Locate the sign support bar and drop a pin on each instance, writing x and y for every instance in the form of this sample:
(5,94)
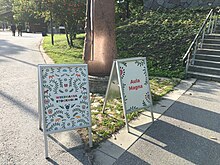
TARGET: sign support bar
(63,99)
(133,80)
(46,146)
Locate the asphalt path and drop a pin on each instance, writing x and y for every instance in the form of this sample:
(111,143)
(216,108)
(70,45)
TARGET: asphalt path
(21,142)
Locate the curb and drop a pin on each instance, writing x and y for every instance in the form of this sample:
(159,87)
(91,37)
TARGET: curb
(46,58)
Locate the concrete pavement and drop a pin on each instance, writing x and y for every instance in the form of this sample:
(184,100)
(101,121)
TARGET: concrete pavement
(187,133)
(21,142)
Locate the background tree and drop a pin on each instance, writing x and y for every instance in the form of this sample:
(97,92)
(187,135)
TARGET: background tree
(128,8)
(6,14)
(69,13)
(24,10)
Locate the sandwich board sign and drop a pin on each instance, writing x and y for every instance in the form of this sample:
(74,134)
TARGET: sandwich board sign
(64,100)
(132,77)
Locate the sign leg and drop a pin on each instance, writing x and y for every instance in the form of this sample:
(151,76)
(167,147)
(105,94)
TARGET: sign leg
(46,146)
(90,136)
(40,123)
(152,113)
(40,119)
(108,87)
(126,122)
(39,106)
(103,109)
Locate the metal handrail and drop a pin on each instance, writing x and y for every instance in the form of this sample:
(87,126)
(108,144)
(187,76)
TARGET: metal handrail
(209,24)
(186,56)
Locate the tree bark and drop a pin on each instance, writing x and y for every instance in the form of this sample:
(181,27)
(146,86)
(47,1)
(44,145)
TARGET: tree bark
(51,25)
(87,41)
(104,39)
(67,35)
(127,9)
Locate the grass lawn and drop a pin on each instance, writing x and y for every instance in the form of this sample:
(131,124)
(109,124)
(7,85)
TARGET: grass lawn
(161,37)
(61,53)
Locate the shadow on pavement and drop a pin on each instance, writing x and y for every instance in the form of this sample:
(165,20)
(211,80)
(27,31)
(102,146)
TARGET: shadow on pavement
(9,48)
(212,87)
(185,134)
(11,58)
(197,116)
(132,160)
(19,104)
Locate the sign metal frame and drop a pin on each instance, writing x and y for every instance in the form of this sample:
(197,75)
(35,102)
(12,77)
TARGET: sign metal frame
(116,68)
(41,104)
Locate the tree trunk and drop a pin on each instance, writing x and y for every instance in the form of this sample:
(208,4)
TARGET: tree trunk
(104,39)
(127,9)
(67,36)
(51,25)
(71,40)
(87,41)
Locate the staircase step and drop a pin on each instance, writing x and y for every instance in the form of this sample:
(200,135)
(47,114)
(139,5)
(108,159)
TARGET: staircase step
(207,57)
(217,31)
(204,69)
(203,76)
(208,51)
(211,46)
(206,63)
(211,41)
(212,36)
(217,27)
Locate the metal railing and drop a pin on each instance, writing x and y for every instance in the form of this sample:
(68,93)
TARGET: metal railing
(207,27)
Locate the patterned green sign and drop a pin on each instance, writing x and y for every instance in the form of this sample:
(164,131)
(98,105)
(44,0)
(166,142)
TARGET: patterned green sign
(65,98)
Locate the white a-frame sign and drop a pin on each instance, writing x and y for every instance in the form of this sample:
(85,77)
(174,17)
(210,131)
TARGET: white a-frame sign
(131,75)
(64,101)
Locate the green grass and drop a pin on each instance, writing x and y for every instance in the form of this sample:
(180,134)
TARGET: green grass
(60,52)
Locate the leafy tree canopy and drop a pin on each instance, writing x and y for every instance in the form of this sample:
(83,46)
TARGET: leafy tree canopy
(69,13)
(24,10)
(6,10)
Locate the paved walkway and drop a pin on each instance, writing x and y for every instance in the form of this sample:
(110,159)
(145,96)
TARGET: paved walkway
(188,132)
(21,142)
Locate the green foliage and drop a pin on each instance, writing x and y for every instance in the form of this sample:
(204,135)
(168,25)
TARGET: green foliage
(6,7)
(24,10)
(69,13)
(127,9)
(161,36)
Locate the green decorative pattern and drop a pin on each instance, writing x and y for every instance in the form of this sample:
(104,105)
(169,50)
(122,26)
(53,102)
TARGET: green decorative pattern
(134,84)
(66,102)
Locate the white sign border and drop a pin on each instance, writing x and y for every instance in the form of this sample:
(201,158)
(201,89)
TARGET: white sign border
(41,104)
(115,65)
